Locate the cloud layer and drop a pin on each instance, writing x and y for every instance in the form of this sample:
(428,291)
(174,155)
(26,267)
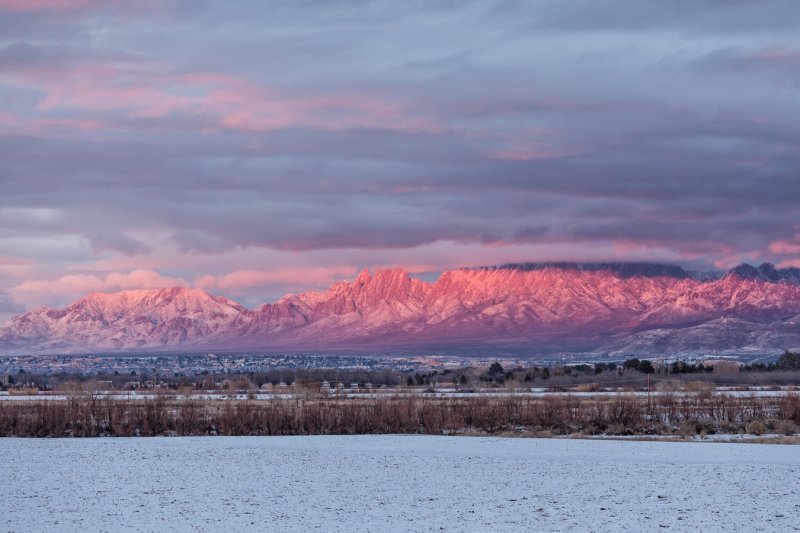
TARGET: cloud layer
(250,147)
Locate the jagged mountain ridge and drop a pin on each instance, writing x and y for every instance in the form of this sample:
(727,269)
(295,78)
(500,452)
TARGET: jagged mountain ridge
(636,307)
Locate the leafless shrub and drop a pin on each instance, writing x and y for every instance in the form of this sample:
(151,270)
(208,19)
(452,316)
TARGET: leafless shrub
(625,411)
(755,427)
(690,427)
(85,415)
(790,408)
(785,427)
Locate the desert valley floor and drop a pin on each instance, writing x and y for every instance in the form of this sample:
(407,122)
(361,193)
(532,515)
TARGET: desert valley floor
(396,483)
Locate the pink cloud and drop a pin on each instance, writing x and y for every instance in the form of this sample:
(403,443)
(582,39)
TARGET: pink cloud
(149,90)
(736,258)
(40,126)
(239,281)
(777,55)
(15,267)
(411,268)
(529,151)
(13,260)
(246,106)
(73,286)
(786,247)
(45,5)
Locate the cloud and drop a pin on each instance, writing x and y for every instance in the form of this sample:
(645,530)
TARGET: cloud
(8,305)
(73,286)
(691,17)
(771,62)
(6,260)
(244,145)
(101,241)
(241,281)
(45,5)
(786,246)
(135,90)
(14,268)
(529,152)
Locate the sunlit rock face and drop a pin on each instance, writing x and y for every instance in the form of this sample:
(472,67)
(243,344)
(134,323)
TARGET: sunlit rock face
(618,308)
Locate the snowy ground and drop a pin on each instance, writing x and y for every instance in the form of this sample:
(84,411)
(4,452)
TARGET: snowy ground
(396,483)
(439,393)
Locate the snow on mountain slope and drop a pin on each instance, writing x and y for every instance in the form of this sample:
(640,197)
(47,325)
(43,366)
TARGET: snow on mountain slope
(642,308)
(720,336)
(127,320)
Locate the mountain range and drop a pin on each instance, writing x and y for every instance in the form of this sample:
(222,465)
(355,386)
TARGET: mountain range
(604,308)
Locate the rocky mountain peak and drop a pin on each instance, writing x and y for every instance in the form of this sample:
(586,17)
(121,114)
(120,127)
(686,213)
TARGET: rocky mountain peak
(363,278)
(541,306)
(764,272)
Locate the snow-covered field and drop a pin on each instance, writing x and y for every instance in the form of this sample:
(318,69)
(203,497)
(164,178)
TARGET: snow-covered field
(439,393)
(396,483)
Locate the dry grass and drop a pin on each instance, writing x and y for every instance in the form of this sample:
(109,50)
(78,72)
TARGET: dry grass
(699,414)
(27,391)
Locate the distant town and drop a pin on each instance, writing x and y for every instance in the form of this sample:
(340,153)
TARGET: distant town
(193,364)
(220,363)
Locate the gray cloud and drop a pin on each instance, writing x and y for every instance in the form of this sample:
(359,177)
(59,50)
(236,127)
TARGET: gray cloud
(704,17)
(401,124)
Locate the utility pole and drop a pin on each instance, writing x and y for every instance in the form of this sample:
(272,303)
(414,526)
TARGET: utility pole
(648,392)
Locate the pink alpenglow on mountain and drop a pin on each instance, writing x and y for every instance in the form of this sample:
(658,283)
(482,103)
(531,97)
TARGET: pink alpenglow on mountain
(614,308)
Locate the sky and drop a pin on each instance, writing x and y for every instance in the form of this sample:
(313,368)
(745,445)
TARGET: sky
(255,148)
